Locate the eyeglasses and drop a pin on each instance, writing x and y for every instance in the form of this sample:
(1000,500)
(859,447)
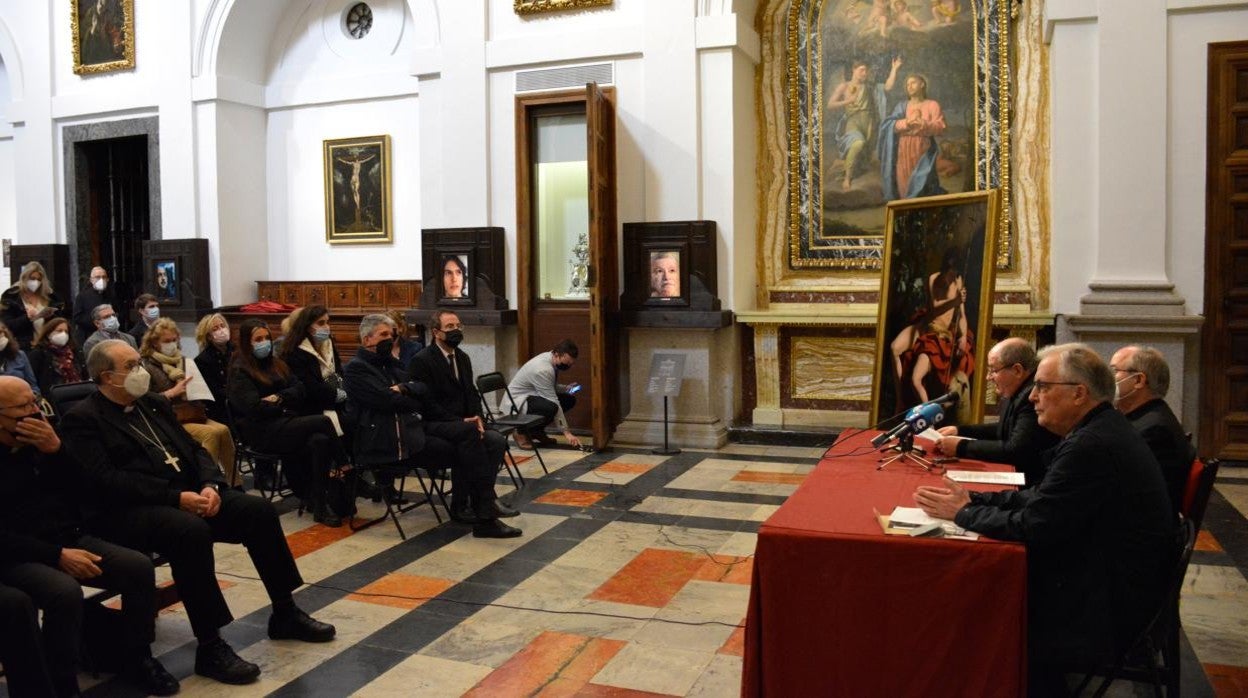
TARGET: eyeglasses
(1045,386)
(1124,370)
(25,406)
(994,371)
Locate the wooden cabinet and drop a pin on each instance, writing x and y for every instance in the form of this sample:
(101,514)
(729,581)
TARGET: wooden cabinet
(342,295)
(268,291)
(372,295)
(292,294)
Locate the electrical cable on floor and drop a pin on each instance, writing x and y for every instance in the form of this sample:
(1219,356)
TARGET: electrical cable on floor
(488,604)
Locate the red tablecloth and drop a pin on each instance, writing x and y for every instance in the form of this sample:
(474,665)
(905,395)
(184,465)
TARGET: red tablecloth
(837,608)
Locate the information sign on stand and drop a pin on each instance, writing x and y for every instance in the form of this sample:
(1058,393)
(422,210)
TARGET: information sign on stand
(667,371)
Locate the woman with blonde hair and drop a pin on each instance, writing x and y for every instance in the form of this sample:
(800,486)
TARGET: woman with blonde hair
(215,348)
(29,303)
(173,376)
(55,358)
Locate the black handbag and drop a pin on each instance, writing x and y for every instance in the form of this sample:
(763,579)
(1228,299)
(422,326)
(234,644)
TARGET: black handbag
(411,432)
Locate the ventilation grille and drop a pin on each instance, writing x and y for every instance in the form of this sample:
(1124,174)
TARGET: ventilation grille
(562,78)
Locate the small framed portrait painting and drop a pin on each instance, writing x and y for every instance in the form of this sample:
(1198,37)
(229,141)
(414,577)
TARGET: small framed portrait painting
(666,277)
(103,35)
(455,279)
(165,281)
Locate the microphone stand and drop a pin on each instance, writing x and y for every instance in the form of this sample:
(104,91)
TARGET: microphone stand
(906,453)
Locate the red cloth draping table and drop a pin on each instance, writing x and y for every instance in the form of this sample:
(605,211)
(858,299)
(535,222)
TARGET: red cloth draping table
(837,608)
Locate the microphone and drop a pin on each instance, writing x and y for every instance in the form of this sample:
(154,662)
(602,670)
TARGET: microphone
(919,419)
(948,400)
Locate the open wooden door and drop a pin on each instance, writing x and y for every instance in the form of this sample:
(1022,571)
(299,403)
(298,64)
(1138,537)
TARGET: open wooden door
(1224,345)
(604,276)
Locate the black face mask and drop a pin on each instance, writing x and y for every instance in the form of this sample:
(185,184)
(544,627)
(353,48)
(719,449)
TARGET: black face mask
(454,337)
(384,347)
(562,367)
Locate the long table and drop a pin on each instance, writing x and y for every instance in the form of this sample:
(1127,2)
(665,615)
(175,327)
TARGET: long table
(838,608)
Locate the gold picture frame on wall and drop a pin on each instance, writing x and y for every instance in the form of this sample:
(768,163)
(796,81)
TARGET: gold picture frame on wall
(532,7)
(935,310)
(357,190)
(890,101)
(103,35)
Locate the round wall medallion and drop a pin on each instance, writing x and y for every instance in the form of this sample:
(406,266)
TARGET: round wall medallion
(359,20)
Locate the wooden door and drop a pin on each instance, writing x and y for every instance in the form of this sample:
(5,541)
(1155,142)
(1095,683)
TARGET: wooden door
(1224,345)
(604,281)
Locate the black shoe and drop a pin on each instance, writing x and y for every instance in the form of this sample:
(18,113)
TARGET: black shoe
(216,660)
(297,625)
(325,516)
(395,498)
(494,528)
(502,511)
(150,676)
(463,514)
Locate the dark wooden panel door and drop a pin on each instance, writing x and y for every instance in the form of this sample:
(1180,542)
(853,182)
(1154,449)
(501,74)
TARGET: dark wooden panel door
(1224,365)
(118,217)
(604,281)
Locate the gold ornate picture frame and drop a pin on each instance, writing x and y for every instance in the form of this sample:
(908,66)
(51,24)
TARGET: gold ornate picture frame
(935,310)
(889,101)
(357,190)
(103,35)
(532,7)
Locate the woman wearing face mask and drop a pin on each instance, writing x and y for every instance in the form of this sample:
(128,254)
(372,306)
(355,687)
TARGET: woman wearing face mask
(271,409)
(173,376)
(27,305)
(55,359)
(13,361)
(310,353)
(215,348)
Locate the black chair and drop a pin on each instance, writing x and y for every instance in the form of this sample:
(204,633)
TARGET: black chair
(507,423)
(1159,640)
(1199,488)
(264,467)
(64,396)
(399,472)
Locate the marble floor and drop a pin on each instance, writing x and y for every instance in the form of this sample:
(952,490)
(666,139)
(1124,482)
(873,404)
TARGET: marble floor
(631,579)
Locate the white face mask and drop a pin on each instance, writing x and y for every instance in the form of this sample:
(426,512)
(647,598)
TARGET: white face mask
(221,335)
(152,313)
(60,339)
(136,382)
(1118,394)
(33,285)
(4,342)
(169,348)
(100,284)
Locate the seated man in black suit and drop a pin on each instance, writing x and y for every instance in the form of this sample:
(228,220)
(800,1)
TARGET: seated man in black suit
(44,552)
(157,490)
(1098,528)
(398,421)
(1016,438)
(1142,380)
(447,371)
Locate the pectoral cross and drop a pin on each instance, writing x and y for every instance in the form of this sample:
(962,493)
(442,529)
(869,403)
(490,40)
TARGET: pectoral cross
(172,461)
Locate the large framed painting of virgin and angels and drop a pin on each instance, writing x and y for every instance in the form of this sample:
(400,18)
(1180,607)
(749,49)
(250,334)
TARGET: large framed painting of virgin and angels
(891,100)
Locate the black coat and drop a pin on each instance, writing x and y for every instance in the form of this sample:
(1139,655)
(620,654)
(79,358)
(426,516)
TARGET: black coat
(213,365)
(116,459)
(43,365)
(320,393)
(1161,430)
(1017,438)
(139,329)
(388,423)
(253,416)
(41,498)
(89,299)
(13,313)
(1099,536)
(457,398)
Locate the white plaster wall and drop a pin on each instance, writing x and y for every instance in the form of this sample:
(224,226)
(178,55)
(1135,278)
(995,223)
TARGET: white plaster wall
(238,197)
(296,185)
(1189,34)
(8,187)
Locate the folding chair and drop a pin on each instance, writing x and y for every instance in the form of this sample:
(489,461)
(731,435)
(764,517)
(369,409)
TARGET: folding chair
(64,396)
(259,463)
(400,472)
(1159,638)
(508,423)
(1199,486)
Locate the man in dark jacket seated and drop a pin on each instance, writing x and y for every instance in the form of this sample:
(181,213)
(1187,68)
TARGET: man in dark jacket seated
(1098,528)
(1142,379)
(398,421)
(158,490)
(1016,438)
(447,371)
(45,553)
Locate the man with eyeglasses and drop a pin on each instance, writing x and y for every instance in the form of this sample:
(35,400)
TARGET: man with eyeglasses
(1098,528)
(1017,438)
(1141,381)
(46,553)
(156,489)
